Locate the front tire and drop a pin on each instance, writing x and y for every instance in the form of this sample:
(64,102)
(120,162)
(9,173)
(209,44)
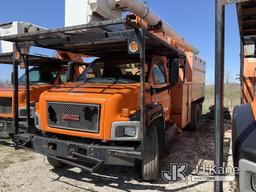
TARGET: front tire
(196,116)
(150,163)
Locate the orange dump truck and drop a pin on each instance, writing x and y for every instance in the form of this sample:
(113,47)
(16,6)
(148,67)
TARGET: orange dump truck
(140,86)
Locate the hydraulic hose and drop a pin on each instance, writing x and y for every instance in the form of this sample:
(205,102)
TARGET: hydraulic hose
(141,10)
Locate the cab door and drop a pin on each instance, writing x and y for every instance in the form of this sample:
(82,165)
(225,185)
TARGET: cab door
(160,88)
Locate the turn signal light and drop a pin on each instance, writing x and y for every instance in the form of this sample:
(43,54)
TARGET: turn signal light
(125,112)
(22,65)
(17,55)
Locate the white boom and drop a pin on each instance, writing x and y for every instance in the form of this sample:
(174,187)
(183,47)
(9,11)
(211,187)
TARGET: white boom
(86,11)
(78,12)
(141,10)
(14,28)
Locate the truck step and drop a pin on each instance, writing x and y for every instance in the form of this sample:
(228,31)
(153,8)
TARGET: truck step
(170,133)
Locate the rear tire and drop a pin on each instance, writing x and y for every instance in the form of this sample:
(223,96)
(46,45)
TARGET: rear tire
(196,116)
(55,163)
(150,163)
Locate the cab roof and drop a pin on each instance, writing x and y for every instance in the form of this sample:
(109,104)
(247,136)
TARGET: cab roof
(36,60)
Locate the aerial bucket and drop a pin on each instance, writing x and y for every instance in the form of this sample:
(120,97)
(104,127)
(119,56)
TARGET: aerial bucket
(15,28)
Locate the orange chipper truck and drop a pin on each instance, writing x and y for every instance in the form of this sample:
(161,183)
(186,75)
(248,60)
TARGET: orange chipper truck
(46,73)
(144,82)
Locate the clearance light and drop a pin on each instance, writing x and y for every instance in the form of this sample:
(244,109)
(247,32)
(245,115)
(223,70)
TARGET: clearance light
(22,65)
(17,55)
(134,47)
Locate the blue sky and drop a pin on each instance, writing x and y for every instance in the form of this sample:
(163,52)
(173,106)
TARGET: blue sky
(194,20)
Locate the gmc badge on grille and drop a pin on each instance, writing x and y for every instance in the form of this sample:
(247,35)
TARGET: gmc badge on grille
(69,117)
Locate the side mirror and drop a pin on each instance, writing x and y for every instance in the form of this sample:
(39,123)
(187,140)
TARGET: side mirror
(70,72)
(174,71)
(12,78)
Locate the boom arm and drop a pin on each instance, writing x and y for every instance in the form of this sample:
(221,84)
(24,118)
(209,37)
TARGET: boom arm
(86,11)
(141,10)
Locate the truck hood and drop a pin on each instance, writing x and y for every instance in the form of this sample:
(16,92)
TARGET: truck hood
(99,89)
(112,98)
(35,92)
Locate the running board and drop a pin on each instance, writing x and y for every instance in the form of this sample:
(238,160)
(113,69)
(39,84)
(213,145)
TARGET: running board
(71,163)
(170,133)
(74,164)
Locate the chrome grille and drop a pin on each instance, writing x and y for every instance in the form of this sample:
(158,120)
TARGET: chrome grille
(78,117)
(5,105)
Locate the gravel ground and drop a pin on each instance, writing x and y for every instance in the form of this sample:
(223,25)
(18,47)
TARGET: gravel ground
(29,172)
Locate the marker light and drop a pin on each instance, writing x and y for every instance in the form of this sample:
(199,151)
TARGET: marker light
(125,112)
(17,55)
(133,47)
(22,65)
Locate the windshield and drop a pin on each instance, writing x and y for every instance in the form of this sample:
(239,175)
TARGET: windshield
(39,75)
(117,72)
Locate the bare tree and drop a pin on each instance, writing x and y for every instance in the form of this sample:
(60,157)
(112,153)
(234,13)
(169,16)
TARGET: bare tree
(227,76)
(5,82)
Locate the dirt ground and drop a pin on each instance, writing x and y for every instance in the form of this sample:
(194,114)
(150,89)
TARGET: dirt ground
(29,172)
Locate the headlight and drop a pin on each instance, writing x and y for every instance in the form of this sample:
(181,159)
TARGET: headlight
(130,131)
(125,131)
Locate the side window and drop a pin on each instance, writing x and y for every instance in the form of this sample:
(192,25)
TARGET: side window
(63,77)
(159,75)
(34,76)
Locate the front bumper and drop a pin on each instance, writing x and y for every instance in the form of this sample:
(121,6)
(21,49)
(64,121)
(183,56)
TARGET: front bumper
(70,151)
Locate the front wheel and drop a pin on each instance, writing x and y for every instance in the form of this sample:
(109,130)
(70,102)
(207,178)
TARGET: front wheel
(150,162)
(196,116)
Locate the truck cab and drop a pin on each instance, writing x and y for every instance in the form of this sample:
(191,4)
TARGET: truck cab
(44,74)
(108,93)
